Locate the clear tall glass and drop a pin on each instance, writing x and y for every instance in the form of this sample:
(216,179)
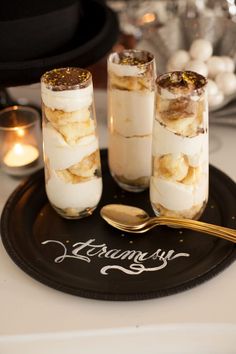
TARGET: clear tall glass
(71,150)
(131,96)
(179,182)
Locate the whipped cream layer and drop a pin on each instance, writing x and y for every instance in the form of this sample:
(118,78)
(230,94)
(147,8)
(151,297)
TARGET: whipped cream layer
(79,196)
(125,70)
(177,196)
(130,157)
(132,112)
(168,95)
(165,142)
(63,155)
(67,100)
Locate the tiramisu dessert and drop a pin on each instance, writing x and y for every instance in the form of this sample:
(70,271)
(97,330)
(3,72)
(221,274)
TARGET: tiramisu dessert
(131,94)
(179,182)
(71,151)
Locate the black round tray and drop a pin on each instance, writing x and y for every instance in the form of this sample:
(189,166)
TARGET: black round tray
(89,258)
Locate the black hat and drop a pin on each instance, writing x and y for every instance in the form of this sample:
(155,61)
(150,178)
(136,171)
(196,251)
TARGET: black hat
(53,34)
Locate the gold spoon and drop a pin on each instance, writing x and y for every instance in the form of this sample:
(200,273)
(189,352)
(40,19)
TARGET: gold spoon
(135,220)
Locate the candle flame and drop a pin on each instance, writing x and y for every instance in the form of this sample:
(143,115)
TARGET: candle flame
(20,132)
(18,149)
(147,18)
(21,155)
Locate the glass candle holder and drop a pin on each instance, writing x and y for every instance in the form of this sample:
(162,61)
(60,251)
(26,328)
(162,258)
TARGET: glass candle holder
(131,95)
(71,150)
(179,182)
(21,140)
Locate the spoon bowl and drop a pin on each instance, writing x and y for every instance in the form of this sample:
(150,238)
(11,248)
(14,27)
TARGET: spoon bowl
(124,215)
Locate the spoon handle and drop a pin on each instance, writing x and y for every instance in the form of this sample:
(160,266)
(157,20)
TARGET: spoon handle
(216,230)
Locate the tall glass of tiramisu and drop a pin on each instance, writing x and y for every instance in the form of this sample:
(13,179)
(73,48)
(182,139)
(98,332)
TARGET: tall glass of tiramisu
(179,182)
(131,95)
(71,151)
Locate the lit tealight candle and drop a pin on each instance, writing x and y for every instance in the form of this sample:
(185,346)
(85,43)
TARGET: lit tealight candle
(21,155)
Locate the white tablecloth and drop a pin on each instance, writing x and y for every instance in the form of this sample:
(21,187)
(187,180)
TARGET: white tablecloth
(39,320)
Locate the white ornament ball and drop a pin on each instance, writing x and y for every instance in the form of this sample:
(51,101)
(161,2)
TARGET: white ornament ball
(226,82)
(178,60)
(216,100)
(212,88)
(229,64)
(197,66)
(201,49)
(215,66)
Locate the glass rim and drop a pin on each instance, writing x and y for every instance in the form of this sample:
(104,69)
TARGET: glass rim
(201,80)
(129,51)
(35,117)
(65,86)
